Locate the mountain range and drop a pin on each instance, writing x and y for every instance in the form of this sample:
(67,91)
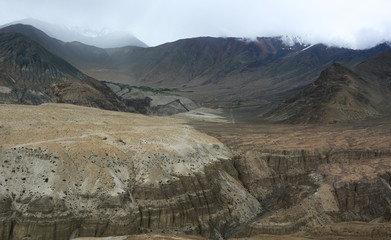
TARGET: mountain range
(233,72)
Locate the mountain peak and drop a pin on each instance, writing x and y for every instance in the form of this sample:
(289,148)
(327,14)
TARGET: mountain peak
(337,73)
(24,29)
(336,67)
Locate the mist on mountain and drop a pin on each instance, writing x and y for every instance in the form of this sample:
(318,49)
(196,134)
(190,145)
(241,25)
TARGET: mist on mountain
(103,38)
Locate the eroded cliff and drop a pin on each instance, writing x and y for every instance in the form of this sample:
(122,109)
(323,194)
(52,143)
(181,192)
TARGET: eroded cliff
(69,171)
(311,176)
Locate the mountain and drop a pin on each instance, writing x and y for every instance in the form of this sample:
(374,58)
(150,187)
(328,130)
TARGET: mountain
(76,53)
(223,71)
(342,94)
(29,74)
(102,39)
(217,72)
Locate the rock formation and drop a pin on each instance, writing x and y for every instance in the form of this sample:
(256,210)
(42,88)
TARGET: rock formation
(313,177)
(161,102)
(302,190)
(63,175)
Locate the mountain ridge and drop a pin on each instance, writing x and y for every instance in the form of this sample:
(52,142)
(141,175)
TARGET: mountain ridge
(29,74)
(213,72)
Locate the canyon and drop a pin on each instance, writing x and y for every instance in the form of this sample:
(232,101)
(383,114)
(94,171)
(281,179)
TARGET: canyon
(65,176)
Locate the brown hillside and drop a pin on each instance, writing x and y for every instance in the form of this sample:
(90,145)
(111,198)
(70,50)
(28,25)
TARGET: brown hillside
(339,94)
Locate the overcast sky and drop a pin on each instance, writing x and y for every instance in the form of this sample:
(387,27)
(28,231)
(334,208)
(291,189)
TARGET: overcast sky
(353,23)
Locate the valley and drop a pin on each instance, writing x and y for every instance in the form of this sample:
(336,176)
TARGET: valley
(202,138)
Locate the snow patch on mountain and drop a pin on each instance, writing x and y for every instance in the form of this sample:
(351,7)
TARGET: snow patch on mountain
(293,40)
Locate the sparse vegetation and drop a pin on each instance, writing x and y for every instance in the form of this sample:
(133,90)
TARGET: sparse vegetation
(142,88)
(234,103)
(237,103)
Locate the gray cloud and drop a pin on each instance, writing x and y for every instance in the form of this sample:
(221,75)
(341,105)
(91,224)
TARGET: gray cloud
(356,24)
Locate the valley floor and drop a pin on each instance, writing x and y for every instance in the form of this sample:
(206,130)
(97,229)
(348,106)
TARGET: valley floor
(240,131)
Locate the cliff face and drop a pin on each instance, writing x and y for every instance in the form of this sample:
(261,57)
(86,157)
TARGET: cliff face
(312,178)
(63,175)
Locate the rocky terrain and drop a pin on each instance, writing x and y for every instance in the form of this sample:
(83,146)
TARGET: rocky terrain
(311,176)
(64,175)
